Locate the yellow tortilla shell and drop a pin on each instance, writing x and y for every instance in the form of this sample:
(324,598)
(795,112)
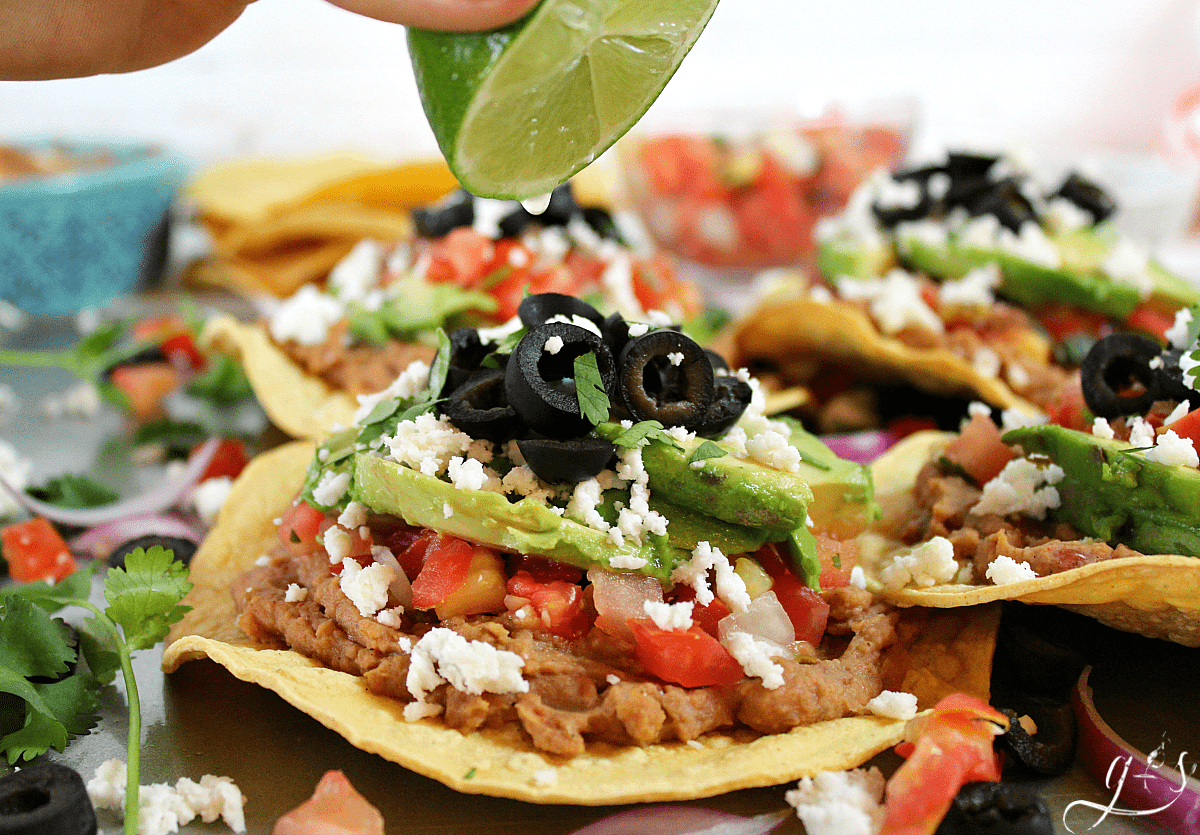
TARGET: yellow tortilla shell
(1154,595)
(502,762)
(297,226)
(841,334)
(279,274)
(298,403)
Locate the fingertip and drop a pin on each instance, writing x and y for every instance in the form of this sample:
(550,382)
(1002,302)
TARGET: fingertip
(445,15)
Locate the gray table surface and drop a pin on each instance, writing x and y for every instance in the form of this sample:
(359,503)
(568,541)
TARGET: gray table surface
(201,720)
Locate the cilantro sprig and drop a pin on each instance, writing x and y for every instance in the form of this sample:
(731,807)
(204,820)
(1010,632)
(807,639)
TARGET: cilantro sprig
(589,389)
(37,651)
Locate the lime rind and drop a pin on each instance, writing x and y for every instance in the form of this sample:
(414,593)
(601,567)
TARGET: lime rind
(520,110)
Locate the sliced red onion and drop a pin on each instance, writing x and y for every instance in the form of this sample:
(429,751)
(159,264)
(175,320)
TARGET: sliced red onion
(1141,787)
(400,589)
(166,495)
(103,538)
(861,447)
(683,820)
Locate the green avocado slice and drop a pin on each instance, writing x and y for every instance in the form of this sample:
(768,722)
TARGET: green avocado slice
(1112,493)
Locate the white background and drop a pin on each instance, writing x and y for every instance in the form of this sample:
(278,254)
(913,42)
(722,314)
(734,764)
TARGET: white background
(296,76)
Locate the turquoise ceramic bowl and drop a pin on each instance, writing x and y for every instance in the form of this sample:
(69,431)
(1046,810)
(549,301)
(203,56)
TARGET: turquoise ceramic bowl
(79,240)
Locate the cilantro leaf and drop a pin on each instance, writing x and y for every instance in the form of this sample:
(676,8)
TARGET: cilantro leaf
(72,490)
(143,598)
(70,589)
(31,642)
(222,382)
(589,389)
(41,731)
(642,433)
(99,650)
(73,701)
(706,451)
(439,369)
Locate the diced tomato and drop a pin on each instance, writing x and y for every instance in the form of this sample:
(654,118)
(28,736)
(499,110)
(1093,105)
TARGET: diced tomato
(544,570)
(774,222)
(979,450)
(691,658)
(656,283)
(1150,321)
(299,526)
(229,459)
(410,551)
(462,258)
(559,604)
(146,386)
(360,543)
(1188,427)
(460,579)
(1062,321)
(174,338)
(838,558)
(36,551)
(707,617)
(335,807)
(678,164)
(953,746)
(1070,409)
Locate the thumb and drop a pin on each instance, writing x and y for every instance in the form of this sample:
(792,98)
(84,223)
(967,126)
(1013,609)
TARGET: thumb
(447,15)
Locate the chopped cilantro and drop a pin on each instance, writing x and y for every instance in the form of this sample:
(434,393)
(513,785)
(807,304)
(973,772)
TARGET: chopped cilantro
(589,389)
(222,382)
(640,434)
(71,490)
(706,451)
(178,437)
(470,775)
(439,369)
(143,601)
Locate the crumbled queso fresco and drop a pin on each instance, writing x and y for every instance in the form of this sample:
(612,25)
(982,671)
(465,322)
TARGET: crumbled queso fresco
(163,808)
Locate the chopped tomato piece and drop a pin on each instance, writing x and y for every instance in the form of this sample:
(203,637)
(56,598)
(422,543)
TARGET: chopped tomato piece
(1188,427)
(807,611)
(544,570)
(411,551)
(680,164)
(838,558)
(559,604)
(1150,321)
(300,525)
(335,808)
(1062,321)
(146,386)
(174,338)
(458,578)
(36,551)
(979,450)
(229,459)
(1070,410)
(952,747)
(691,658)
(707,617)
(462,257)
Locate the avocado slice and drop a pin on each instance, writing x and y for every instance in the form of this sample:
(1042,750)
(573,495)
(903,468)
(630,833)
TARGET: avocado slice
(843,491)
(1114,494)
(523,527)
(848,255)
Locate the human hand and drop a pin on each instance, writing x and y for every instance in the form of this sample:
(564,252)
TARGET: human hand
(42,39)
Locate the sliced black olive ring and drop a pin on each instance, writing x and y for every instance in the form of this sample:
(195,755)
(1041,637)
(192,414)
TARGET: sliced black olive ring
(541,384)
(538,309)
(45,799)
(999,808)
(1051,749)
(1116,375)
(731,396)
(572,460)
(480,407)
(666,376)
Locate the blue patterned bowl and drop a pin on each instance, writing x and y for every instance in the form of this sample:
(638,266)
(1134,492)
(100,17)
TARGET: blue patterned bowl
(78,240)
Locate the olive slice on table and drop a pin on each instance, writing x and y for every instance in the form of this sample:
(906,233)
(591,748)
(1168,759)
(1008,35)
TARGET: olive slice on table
(480,407)
(183,549)
(731,396)
(540,383)
(1116,375)
(45,799)
(572,460)
(666,376)
(1050,750)
(988,808)
(539,308)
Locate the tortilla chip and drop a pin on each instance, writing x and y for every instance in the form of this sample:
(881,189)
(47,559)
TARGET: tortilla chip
(298,403)
(405,186)
(502,762)
(1154,595)
(842,335)
(280,274)
(246,191)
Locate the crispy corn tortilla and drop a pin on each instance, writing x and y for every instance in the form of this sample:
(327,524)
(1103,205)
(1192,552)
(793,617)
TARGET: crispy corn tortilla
(1154,595)
(298,403)
(840,334)
(297,226)
(501,762)
(279,274)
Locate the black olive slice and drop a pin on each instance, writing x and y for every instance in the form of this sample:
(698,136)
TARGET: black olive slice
(183,549)
(439,220)
(1048,752)
(146,356)
(541,384)
(653,387)
(573,460)
(480,407)
(1005,200)
(602,223)
(1088,196)
(988,808)
(1169,380)
(539,308)
(718,361)
(467,351)
(45,799)
(1116,375)
(963,164)
(731,396)
(616,333)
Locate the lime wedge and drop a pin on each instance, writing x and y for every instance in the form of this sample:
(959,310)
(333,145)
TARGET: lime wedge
(518,110)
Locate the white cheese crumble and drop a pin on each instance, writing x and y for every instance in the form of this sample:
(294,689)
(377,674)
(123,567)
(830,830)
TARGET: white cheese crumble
(755,657)
(337,544)
(675,357)
(447,510)
(925,565)
(669,616)
(305,316)
(1178,412)
(840,802)
(81,400)
(1017,419)
(576,320)
(637,329)
(209,497)
(553,345)
(1004,570)
(894,301)
(1177,333)
(295,594)
(331,488)
(1129,264)
(1173,451)
(858,577)
(412,381)
(367,587)
(427,443)
(1021,487)
(354,516)
(163,808)
(471,474)
(1101,428)
(894,705)
(986,362)
(359,272)
(975,289)
(475,667)
(1141,432)
(731,588)
(390,617)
